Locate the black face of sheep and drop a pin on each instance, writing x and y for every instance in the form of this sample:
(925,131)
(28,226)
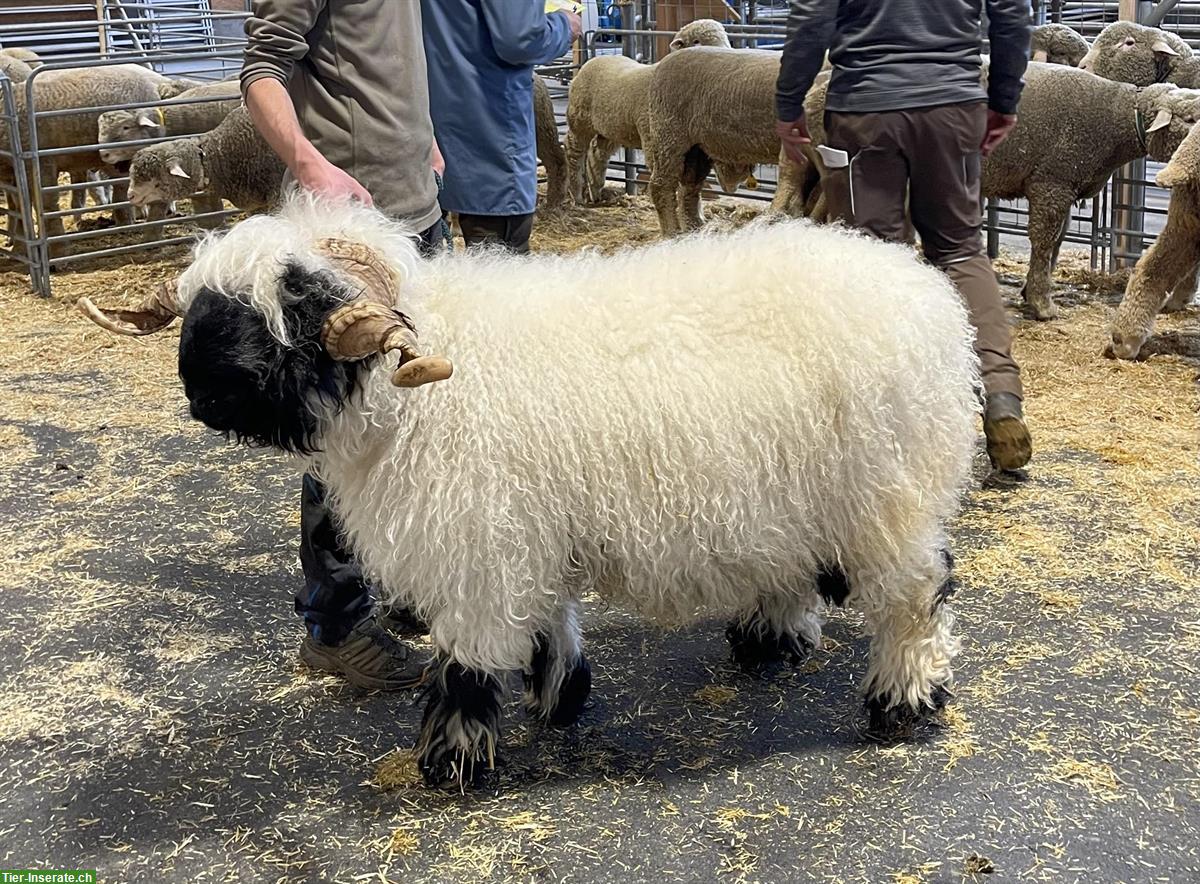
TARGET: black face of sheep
(243,382)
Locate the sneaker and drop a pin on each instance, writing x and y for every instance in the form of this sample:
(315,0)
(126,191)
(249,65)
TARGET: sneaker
(367,658)
(1008,444)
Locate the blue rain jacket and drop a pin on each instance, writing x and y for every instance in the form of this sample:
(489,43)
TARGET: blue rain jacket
(480,55)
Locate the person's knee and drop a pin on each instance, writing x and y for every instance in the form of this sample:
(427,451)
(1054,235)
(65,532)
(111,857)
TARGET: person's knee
(946,251)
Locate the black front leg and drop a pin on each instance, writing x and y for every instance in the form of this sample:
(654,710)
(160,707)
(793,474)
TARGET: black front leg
(460,727)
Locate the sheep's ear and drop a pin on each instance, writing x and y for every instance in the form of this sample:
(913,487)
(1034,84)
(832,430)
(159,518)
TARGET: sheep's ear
(147,121)
(676,44)
(177,170)
(1040,55)
(1161,120)
(1163,46)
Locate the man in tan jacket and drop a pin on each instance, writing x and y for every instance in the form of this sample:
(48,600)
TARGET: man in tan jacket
(338,89)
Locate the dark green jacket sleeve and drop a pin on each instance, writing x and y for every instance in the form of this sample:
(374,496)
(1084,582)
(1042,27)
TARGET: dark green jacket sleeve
(1009,31)
(810,31)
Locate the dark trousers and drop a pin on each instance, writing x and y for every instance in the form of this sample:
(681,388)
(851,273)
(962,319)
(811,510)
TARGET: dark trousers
(510,231)
(335,597)
(932,155)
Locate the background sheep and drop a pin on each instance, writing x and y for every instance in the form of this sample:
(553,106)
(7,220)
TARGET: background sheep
(609,107)
(1057,44)
(1133,53)
(232,162)
(657,425)
(28,56)
(549,151)
(1171,258)
(1052,162)
(713,105)
(77,88)
(170,120)
(14,68)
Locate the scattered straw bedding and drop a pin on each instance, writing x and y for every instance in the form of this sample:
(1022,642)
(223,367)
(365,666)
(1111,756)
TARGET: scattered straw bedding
(1105,532)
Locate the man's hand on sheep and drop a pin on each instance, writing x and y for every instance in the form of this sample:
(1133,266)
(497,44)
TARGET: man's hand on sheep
(998,127)
(794,135)
(317,174)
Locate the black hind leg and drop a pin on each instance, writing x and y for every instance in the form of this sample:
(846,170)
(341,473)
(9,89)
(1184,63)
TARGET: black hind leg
(559,678)
(779,629)
(460,726)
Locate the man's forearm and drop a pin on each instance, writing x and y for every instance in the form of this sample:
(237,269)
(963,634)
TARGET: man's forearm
(810,31)
(274,116)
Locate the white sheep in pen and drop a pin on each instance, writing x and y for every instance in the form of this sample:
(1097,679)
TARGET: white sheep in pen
(747,424)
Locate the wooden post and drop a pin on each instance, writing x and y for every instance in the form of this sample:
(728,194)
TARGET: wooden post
(101,29)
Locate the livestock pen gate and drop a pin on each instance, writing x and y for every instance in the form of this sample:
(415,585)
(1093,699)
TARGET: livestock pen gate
(202,40)
(194,39)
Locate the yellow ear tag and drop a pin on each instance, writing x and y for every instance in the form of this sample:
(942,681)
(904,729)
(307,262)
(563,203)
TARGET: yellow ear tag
(161,119)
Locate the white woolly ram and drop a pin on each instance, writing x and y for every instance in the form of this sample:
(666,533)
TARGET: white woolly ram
(748,424)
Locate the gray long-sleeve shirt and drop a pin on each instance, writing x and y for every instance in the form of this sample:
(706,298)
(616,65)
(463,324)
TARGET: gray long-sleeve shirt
(898,54)
(355,70)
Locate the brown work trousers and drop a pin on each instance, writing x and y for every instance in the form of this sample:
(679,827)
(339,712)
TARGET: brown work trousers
(932,156)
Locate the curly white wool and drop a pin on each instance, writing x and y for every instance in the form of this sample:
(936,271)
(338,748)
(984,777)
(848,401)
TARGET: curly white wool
(690,428)
(246,261)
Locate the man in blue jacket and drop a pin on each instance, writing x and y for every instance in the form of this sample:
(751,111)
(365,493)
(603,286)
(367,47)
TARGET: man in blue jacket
(481,55)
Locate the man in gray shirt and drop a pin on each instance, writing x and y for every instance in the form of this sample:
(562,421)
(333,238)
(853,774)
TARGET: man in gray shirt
(339,90)
(907,119)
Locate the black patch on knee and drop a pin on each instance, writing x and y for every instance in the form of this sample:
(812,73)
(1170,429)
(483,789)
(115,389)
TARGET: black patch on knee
(574,691)
(472,697)
(949,585)
(832,585)
(759,651)
(900,722)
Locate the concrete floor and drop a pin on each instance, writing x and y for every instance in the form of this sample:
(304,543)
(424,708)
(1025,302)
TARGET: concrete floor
(155,724)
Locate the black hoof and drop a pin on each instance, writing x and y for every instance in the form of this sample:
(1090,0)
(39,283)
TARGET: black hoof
(900,721)
(460,727)
(572,696)
(759,652)
(449,771)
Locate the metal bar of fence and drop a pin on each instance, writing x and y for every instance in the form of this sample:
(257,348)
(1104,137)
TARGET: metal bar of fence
(139,227)
(131,105)
(49,28)
(8,100)
(61,260)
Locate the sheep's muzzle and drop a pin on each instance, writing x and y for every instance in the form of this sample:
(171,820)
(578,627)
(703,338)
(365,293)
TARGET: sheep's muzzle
(370,323)
(154,314)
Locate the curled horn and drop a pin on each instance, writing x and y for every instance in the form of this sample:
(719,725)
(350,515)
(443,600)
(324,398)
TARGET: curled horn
(154,314)
(370,324)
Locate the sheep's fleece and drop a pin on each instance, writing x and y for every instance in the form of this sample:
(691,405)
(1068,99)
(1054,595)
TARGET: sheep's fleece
(689,428)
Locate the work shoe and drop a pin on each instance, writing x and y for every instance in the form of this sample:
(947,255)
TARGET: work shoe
(1008,444)
(367,658)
